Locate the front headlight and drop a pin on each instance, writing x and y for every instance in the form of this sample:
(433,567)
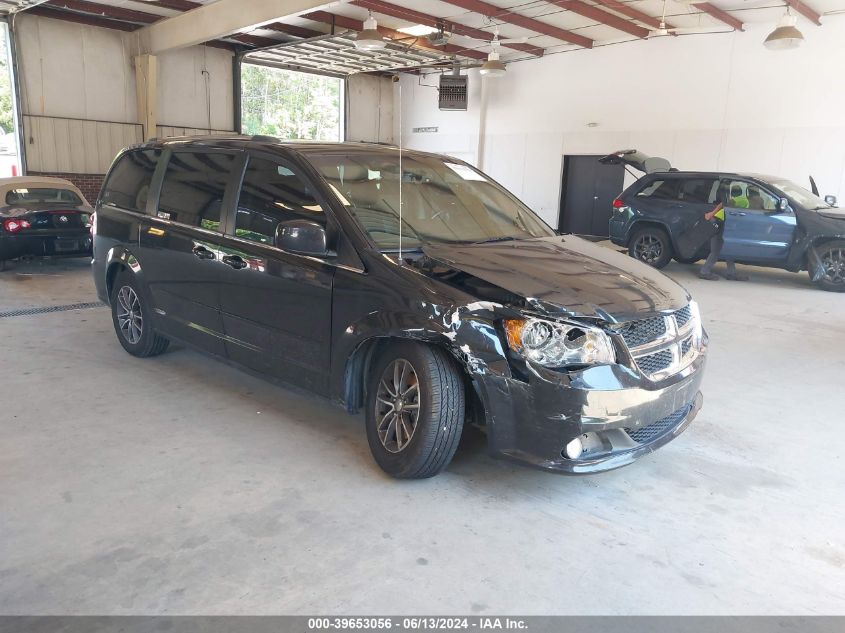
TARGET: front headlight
(554,344)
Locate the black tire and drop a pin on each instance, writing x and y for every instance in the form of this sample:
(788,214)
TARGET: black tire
(143,341)
(440,405)
(832,255)
(651,245)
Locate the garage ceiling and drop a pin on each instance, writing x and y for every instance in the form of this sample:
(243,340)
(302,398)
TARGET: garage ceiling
(547,25)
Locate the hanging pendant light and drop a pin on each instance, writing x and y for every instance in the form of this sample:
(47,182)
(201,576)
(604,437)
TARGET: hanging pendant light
(492,67)
(785,36)
(370,39)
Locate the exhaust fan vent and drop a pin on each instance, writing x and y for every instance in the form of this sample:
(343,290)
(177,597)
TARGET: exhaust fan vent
(453,92)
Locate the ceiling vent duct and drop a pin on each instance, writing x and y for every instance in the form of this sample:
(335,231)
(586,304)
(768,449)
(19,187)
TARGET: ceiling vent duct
(453,92)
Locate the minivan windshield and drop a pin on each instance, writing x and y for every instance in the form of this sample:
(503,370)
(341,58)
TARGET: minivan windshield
(806,199)
(442,201)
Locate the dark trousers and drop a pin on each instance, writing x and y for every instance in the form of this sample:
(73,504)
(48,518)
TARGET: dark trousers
(716,244)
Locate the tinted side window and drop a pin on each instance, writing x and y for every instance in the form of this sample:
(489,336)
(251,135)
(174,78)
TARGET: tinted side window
(129,181)
(193,188)
(273,193)
(668,189)
(698,190)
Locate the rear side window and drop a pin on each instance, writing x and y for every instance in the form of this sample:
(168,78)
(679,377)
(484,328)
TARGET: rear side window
(273,193)
(701,190)
(193,188)
(41,194)
(128,183)
(668,189)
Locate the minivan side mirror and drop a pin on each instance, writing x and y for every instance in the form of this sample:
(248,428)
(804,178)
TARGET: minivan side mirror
(302,236)
(831,200)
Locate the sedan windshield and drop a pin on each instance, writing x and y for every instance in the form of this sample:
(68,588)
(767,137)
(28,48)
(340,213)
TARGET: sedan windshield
(42,194)
(806,199)
(442,201)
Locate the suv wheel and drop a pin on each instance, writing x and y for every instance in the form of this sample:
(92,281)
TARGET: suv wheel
(833,261)
(652,246)
(415,410)
(130,317)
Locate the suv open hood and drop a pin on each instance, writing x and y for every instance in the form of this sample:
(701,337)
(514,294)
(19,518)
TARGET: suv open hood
(556,275)
(638,160)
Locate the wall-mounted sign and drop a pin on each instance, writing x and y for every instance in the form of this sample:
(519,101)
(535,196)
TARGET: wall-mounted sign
(425,130)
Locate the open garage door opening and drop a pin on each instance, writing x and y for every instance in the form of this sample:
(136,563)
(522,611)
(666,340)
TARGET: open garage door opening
(10,164)
(291,104)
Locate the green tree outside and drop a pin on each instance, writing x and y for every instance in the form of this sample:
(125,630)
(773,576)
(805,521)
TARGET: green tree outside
(290,104)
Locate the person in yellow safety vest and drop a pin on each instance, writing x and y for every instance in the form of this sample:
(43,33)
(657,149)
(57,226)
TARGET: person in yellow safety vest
(716,244)
(738,199)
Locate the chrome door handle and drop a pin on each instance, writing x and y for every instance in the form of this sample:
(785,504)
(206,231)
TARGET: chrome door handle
(235,261)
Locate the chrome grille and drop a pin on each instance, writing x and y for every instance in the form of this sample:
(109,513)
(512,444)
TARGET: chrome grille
(663,345)
(646,434)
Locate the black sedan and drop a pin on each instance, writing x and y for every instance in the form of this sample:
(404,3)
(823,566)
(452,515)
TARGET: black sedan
(43,217)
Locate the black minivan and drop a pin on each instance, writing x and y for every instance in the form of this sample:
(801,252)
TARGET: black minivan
(406,283)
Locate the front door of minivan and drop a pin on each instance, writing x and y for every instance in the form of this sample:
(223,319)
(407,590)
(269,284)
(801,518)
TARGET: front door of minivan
(179,245)
(275,305)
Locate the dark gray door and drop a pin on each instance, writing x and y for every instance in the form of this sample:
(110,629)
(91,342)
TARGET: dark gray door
(587,194)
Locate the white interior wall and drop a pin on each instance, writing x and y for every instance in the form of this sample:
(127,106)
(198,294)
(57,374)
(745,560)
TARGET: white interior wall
(369,105)
(86,72)
(710,102)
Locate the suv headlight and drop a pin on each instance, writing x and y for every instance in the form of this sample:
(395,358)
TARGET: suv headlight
(554,344)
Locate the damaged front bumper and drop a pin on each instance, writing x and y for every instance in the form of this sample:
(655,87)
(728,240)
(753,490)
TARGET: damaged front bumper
(618,414)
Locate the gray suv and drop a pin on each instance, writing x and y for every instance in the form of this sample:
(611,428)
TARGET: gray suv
(769,221)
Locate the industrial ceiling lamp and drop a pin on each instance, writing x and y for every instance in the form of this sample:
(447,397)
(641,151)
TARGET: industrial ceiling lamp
(492,67)
(370,39)
(785,36)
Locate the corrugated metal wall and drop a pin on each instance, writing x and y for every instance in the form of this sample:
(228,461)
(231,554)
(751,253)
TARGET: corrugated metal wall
(165,131)
(75,146)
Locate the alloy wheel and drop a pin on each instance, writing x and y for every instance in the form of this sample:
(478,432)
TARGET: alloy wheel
(833,261)
(648,248)
(397,405)
(130,320)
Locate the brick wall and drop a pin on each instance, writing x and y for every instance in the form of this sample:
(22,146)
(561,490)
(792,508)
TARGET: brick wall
(89,184)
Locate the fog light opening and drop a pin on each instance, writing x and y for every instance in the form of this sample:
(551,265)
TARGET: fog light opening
(574,449)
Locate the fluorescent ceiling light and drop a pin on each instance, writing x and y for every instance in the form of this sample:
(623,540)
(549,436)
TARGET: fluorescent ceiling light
(418,30)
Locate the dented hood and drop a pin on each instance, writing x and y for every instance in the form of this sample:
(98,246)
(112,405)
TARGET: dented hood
(561,275)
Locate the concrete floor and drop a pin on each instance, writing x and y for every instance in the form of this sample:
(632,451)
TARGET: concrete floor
(178,485)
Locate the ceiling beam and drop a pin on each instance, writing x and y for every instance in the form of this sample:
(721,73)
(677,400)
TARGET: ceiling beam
(104,10)
(504,15)
(599,15)
(719,14)
(415,42)
(634,14)
(289,29)
(392,10)
(80,18)
(216,20)
(806,11)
